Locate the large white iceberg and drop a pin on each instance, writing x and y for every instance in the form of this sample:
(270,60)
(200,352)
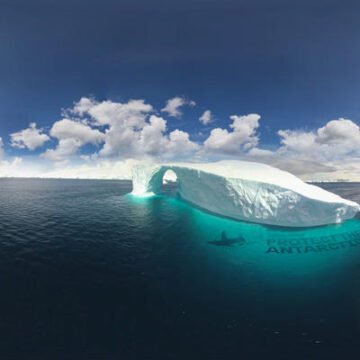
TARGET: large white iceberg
(248,191)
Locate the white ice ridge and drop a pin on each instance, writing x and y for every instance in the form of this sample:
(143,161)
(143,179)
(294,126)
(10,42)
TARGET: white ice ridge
(248,191)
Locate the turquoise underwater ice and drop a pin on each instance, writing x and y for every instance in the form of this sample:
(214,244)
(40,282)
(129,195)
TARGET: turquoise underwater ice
(271,250)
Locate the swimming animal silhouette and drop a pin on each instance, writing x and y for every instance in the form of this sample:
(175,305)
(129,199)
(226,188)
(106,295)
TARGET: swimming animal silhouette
(225,241)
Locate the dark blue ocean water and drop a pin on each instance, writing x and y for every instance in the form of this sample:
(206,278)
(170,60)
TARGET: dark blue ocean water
(89,272)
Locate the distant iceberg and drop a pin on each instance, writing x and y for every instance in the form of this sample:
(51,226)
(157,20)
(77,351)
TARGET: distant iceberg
(248,191)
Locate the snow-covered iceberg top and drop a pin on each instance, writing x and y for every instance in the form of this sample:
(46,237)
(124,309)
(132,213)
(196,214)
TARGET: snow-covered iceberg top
(248,191)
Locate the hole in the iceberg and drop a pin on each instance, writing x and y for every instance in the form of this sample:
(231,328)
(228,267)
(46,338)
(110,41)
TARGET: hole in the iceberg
(170,181)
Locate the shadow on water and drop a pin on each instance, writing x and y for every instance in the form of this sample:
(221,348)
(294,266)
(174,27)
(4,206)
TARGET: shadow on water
(225,241)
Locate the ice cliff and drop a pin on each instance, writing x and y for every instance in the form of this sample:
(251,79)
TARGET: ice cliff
(248,191)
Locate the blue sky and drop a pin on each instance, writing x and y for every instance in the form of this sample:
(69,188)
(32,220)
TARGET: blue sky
(295,63)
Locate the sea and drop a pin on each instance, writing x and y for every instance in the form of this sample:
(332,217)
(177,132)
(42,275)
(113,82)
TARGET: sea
(88,271)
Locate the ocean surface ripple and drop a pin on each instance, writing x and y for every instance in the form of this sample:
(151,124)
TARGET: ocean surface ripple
(88,271)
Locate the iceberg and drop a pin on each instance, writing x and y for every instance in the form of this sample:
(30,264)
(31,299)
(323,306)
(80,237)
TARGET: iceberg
(248,191)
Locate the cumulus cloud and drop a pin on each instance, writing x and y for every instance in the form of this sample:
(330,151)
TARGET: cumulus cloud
(108,132)
(242,138)
(132,131)
(68,129)
(151,137)
(206,117)
(124,121)
(71,136)
(107,112)
(180,143)
(119,130)
(82,106)
(173,106)
(30,138)
(338,138)
(154,141)
(342,132)
(319,154)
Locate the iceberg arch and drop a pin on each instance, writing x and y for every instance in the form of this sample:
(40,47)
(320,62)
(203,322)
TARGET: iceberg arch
(248,191)
(169,177)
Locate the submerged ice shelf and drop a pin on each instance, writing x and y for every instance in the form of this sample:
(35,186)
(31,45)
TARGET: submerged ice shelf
(248,191)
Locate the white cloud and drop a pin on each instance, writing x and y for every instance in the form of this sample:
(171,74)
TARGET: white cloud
(342,132)
(1,148)
(206,117)
(64,150)
(132,131)
(69,129)
(338,138)
(324,153)
(298,141)
(180,144)
(118,132)
(131,114)
(82,106)
(172,107)
(9,168)
(256,152)
(72,135)
(30,138)
(153,140)
(100,169)
(242,138)
(122,122)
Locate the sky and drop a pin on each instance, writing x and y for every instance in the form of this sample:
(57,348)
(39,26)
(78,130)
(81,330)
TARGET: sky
(87,88)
